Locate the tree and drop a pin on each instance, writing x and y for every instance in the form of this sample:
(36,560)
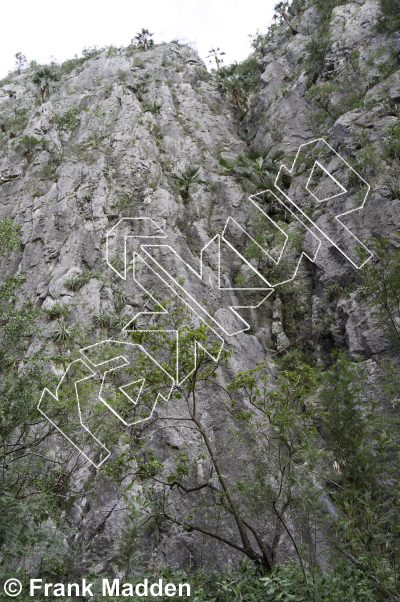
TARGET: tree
(381,286)
(21,60)
(256,167)
(216,54)
(249,513)
(281,8)
(364,441)
(42,78)
(389,15)
(142,39)
(296,432)
(184,180)
(239,80)
(230,80)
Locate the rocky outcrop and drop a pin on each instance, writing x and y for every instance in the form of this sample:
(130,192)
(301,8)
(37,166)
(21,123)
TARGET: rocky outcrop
(362,68)
(105,146)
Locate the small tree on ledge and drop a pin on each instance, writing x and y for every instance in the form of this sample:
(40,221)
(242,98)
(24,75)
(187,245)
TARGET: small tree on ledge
(142,38)
(215,53)
(281,9)
(42,78)
(21,60)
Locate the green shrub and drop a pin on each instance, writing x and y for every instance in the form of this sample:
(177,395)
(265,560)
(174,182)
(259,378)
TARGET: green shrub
(120,298)
(152,108)
(49,171)
(28,145)
(316,50)
(16,123)
(66,121)
(391,140)
(87,53)
(104,319)
(389,15)
(63,332)
(76,282)
(57,311)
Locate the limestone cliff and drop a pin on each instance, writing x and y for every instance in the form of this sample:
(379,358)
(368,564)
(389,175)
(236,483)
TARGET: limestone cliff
(106,145)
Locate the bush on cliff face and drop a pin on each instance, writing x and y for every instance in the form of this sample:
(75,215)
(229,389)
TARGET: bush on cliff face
(238,80)
(307,429)
(28,504)
(389,17)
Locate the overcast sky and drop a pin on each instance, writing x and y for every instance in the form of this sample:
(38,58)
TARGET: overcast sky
(44,28)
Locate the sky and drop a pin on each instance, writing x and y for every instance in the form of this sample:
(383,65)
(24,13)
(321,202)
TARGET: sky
(42,29)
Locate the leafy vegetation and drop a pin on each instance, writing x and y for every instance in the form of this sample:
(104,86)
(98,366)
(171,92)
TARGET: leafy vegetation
(256,168)
(43,77)
(381,285)
(311,431)
(77,62)
(216,54)
(238,80)
(315,449)
(14,124)
(185,179)
(67,121)
(21,60)
(143,39)
(29,145)
(389,17)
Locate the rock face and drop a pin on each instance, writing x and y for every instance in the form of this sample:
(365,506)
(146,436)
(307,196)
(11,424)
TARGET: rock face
(358,61)
(107,143)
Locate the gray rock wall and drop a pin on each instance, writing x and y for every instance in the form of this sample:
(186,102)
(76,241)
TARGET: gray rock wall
(116,161)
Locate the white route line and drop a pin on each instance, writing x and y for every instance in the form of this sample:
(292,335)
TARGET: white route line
(337,217)
(79,411)
(189,299)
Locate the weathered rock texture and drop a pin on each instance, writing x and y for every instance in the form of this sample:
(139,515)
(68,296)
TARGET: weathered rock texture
(117,162)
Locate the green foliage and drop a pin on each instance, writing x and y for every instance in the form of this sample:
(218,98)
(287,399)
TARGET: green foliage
(9,238)
(25,507)
(28,145)
(391,141)
(322,95)
(348,97)
(185,179)
(49,170)
(122,75)
(381,285)
(216,54)
(317,46)
(111,51)
(238,80)
(143,39)
(56,311)
(43,77)
(258,40)
(74,283)
(334,292)
(67,121)
(129,548)
(389,15)
(297,6)
(295,360)
(62,333)
(152,108)
(364,442)
(257,168)
(359,440)
(104,319)
(316,49)
(120,298)
(15,124)
(87,53)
